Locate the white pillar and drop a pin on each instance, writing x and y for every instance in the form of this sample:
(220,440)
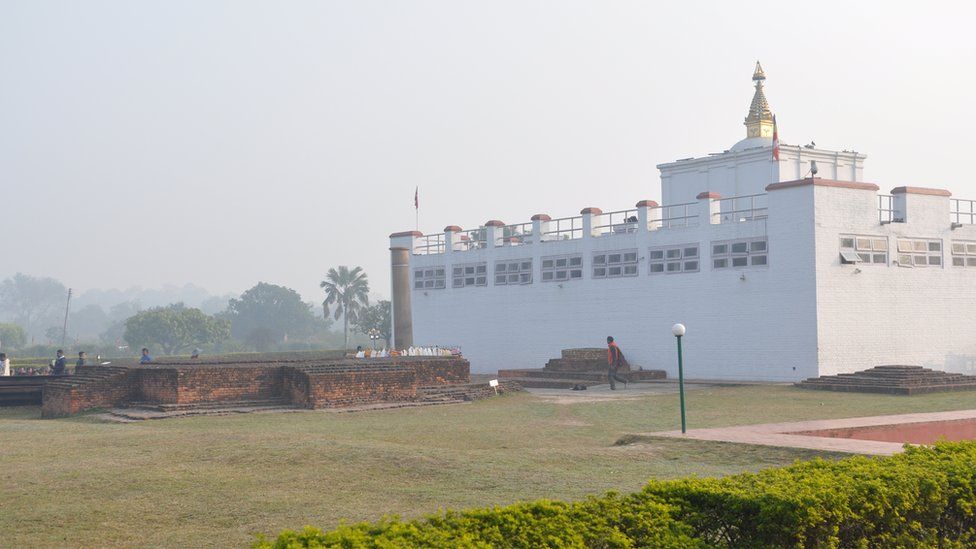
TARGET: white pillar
(588,215)
(493,230)
(452,238)
(710,208)
(540,226)
(645,221)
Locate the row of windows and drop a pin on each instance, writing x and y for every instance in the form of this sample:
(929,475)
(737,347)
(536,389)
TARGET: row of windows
(963,254)
(513,272)
(910,252)
(567,267)
(616,264)
(472,274)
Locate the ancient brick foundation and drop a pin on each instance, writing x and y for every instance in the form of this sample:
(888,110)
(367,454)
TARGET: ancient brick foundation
(304,382)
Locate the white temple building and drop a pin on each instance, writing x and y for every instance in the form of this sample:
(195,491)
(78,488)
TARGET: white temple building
(781,261)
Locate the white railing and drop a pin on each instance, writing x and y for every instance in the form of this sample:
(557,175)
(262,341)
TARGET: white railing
(962,211)
(514,235)
(620,222)
(475,239)
(430,244)
(564,228)
(886,208)
(738,209)
(678,215)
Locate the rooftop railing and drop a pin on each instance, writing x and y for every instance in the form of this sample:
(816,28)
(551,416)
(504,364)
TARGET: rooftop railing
(962,211)
(678,215)
(515,235)
(474,239)
(619,222)
(738,209)
(564,228)
(729,210)
(430,244)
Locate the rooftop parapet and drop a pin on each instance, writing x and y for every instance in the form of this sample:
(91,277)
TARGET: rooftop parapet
(710,209)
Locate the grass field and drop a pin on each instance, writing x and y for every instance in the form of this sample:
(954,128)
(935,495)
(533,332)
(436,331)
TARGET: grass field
(216,481)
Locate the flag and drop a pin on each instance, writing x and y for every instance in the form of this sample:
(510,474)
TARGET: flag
(416,198)
(775,140)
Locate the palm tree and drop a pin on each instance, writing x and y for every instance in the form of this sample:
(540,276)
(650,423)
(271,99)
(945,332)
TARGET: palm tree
(348,292)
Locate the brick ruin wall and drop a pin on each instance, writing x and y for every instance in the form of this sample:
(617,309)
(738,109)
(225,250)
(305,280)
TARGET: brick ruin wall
(304,383)
(62,397)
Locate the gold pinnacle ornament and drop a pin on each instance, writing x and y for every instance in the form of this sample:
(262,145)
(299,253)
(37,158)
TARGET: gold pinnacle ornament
(759,123)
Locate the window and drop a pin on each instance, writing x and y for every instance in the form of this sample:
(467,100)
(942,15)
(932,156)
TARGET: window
(615,264)
(869,250)
(963,254)
(430,278)
(674,259)
(913,252)
(738,254)
(560,268)
(513,272)
(471,274)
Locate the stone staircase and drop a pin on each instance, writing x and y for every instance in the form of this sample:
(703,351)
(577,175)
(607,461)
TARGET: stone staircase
(574,367)
(138,411)
(893,380)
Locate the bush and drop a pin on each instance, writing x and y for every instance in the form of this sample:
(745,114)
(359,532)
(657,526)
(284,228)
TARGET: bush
(610,522)
(924,497)
(921,498)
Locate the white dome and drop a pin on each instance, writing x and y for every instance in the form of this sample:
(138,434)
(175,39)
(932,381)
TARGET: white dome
(752,143)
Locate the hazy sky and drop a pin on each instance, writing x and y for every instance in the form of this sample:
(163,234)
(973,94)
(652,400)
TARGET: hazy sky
(223,143)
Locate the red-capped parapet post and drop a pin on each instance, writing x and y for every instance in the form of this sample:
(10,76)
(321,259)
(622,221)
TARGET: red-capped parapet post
(646,218)
(401,246)
(589,214)
(710,209)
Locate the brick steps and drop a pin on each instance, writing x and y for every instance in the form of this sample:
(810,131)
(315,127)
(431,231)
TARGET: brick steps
(553,383)
(593,375)
(547,379)
(893,379)
(142,411)
(88,374)
(465,392)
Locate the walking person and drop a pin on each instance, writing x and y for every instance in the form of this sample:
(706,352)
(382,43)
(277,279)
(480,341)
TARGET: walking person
(615,358)
(60,366)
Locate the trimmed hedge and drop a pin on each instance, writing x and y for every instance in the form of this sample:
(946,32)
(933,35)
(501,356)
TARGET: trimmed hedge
(924,497)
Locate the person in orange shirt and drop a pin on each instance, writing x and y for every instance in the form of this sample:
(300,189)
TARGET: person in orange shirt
(615,358)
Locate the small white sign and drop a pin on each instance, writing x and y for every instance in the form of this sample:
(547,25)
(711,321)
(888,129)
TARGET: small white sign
(493,383)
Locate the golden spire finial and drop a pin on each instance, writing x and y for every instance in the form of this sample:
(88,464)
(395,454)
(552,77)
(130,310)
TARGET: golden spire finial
(759,122)
(758,74)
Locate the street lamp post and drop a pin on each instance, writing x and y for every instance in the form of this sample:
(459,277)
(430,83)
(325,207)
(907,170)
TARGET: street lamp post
(679,330)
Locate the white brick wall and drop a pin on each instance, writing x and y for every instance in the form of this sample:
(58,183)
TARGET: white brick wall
(891,314)
(762,327)
(803,315)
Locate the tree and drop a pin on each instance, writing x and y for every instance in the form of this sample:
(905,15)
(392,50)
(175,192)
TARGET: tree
(30,298)
(268,314)
(174,328)
(346,293)
(377,317)
(12,336)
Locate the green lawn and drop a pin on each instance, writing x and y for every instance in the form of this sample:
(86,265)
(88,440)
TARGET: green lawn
(215,481)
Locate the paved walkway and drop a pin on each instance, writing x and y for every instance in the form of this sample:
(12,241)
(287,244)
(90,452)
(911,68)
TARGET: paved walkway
(782,434)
